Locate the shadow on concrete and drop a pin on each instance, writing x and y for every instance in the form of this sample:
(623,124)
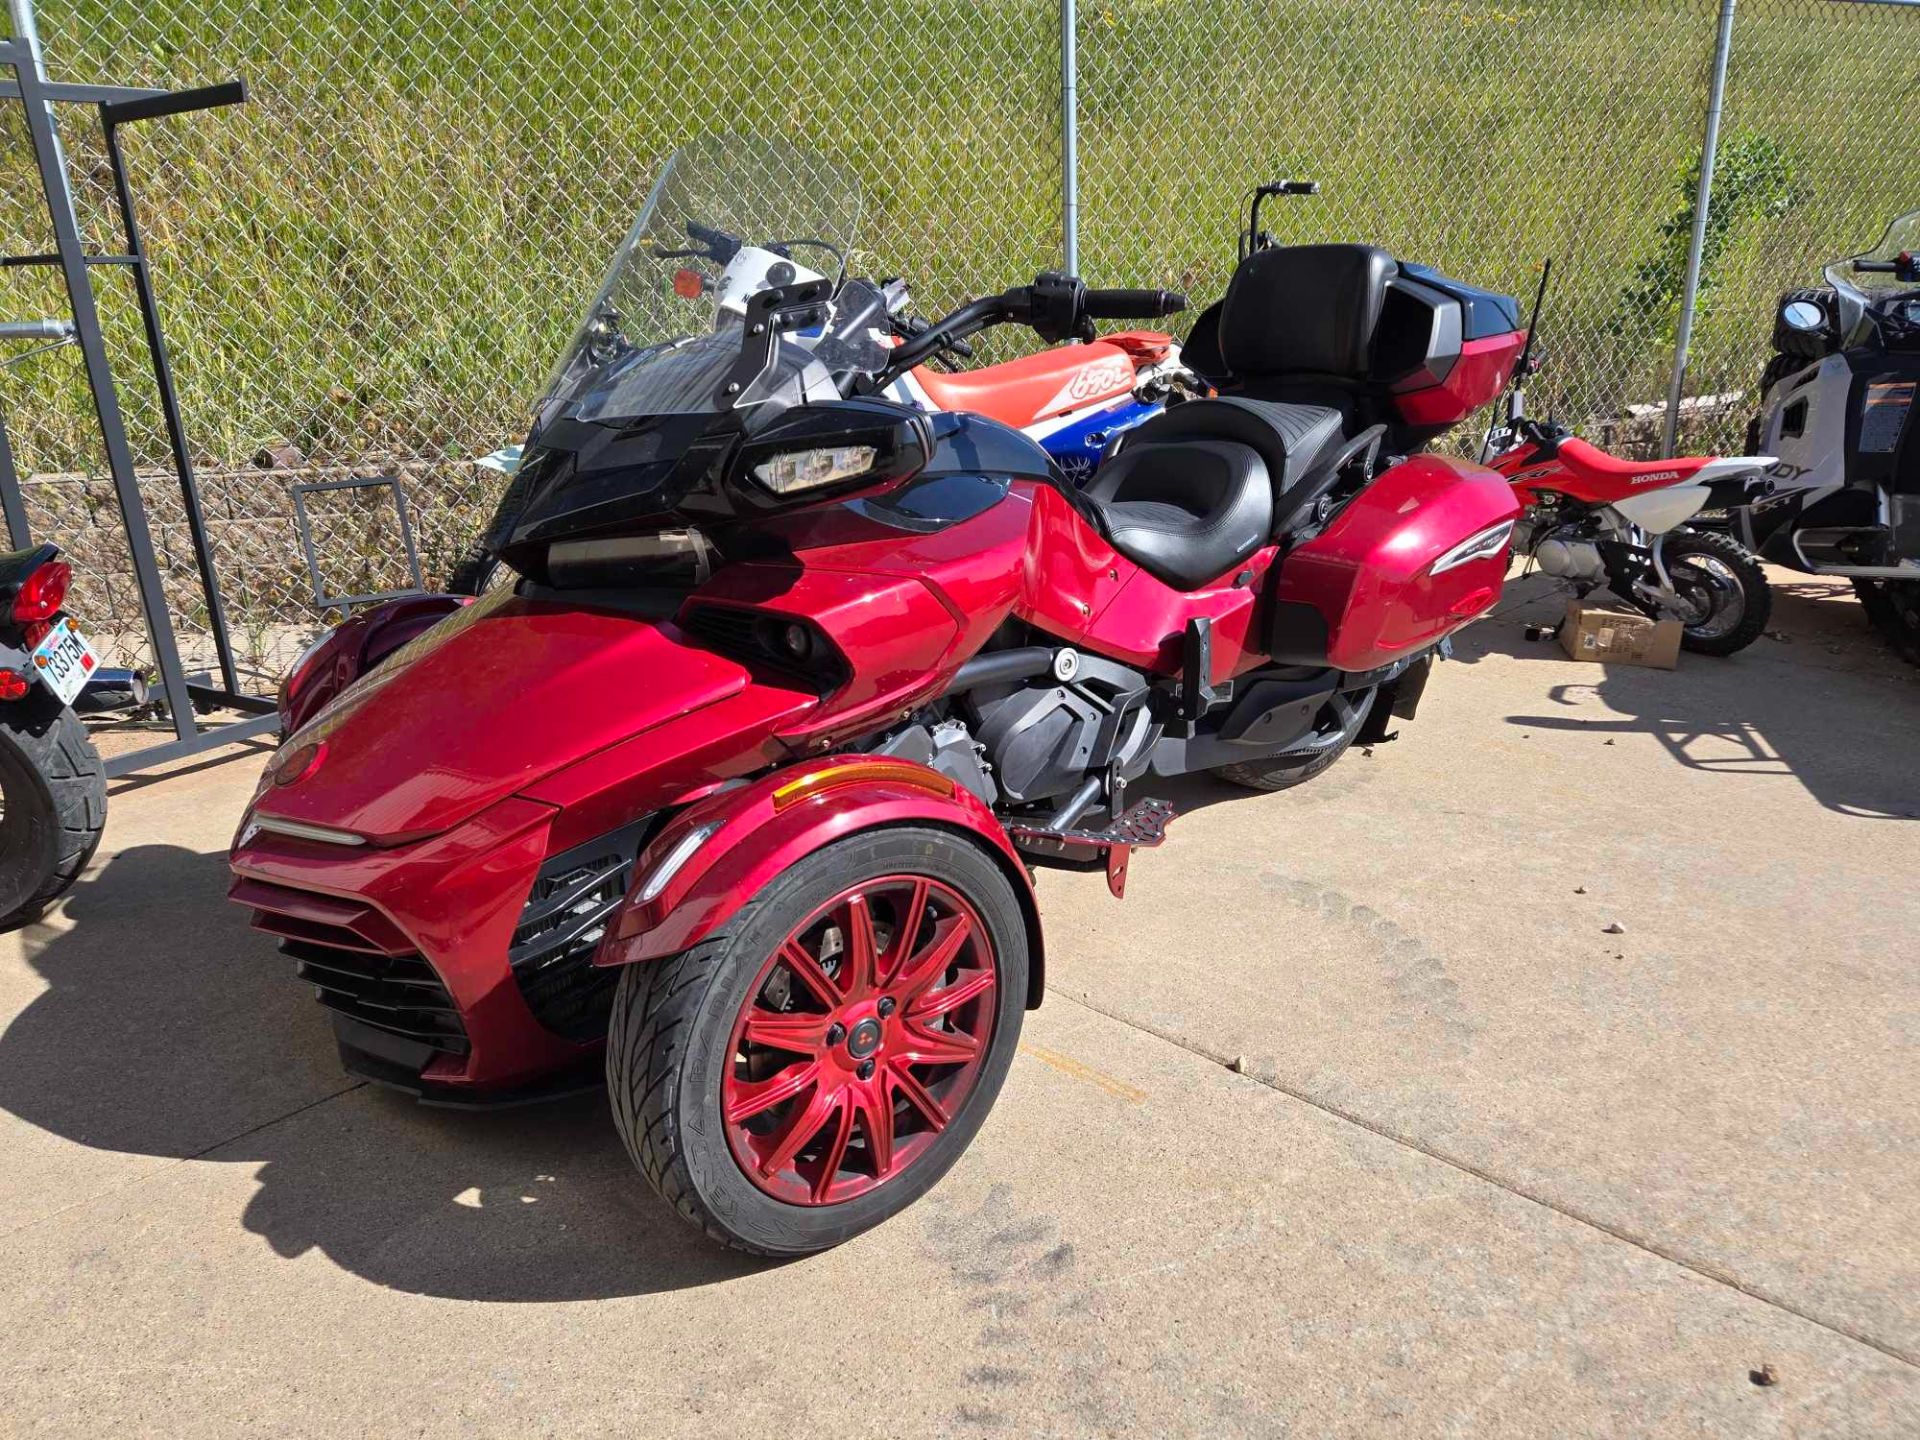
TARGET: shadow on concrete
(170,1028)
(1827,705)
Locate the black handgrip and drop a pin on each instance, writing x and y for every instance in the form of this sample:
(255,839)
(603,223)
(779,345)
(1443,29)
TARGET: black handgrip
(1132,304)
(717,243)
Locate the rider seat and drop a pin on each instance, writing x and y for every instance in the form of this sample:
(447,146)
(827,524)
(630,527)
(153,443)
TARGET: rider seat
(1198,489)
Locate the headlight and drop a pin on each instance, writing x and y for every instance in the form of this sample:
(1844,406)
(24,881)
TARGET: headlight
(808,469)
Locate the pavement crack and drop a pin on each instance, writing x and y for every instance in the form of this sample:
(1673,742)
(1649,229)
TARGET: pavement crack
(146,1175)
(1644,1243)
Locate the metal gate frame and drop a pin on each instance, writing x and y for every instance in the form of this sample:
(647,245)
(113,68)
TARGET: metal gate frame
(118,106)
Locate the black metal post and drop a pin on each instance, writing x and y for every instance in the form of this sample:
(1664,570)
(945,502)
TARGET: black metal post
(170,404)
(113,434)
(12,505)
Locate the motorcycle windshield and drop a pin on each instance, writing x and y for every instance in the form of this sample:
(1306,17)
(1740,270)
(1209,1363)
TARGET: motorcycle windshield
(664,334)
(1858,290)
(1902,238)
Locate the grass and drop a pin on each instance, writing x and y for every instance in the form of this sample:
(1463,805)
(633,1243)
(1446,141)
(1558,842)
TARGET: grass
(380,253)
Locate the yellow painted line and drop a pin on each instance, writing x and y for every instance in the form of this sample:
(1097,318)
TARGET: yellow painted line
(1067,1065)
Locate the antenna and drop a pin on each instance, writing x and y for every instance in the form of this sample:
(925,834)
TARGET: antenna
(1533,320)
(1524,363)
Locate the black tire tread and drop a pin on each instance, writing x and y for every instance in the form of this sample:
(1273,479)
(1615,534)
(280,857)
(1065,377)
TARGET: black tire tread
(1893,608)
(1277,773)
(1753,580)
(54,742)
(653,1008)
(1284,771)
(660,1032)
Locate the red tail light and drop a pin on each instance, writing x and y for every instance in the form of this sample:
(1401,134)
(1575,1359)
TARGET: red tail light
(12,684)
(42,593)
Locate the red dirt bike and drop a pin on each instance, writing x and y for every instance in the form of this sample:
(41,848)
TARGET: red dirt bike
(748,769)
(1592,520)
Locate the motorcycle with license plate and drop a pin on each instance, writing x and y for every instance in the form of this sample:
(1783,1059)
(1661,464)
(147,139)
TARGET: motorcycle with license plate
(53,789)
(1592,520)
(1837,410)
(797,685)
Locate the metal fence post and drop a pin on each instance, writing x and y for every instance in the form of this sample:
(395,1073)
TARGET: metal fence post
(1069,143)
(1702,199)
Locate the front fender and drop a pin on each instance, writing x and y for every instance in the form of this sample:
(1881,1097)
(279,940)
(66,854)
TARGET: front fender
(731,845)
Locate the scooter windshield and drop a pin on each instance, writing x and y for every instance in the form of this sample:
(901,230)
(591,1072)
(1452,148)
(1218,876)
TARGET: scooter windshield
(727,219)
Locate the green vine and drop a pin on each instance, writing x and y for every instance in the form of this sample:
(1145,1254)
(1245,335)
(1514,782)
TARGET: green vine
(1752,182)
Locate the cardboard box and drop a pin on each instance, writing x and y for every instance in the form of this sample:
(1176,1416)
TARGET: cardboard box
(1618,636)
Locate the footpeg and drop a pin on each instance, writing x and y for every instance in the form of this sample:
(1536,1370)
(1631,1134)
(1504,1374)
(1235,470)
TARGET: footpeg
(1141,824)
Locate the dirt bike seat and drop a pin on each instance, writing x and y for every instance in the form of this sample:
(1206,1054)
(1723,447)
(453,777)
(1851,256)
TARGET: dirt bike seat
(1197,489)
(1593,462)
(1030,389)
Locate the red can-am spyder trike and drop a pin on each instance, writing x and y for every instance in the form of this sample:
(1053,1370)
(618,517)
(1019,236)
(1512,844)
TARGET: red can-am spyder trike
(745,771)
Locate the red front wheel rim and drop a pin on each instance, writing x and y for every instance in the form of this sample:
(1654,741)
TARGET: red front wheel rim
(860,1040)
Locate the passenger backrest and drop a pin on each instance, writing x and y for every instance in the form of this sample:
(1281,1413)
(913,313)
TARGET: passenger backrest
(1305,312)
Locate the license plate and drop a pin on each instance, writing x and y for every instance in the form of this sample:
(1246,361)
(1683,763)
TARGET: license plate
(64,660)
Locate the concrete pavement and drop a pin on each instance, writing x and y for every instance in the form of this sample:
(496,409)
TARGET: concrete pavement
(1485,1168)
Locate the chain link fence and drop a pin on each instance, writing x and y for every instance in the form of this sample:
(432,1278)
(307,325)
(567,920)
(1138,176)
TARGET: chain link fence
(368,267)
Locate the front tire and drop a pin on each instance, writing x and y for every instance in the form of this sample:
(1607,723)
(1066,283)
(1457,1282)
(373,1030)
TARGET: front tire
(1894,608)
(815,1066)
(1727,599)
(53,803)
(1331,737)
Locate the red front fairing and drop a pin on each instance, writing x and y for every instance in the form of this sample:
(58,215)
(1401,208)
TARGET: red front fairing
(354,647)
(454,900)
(494,699)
